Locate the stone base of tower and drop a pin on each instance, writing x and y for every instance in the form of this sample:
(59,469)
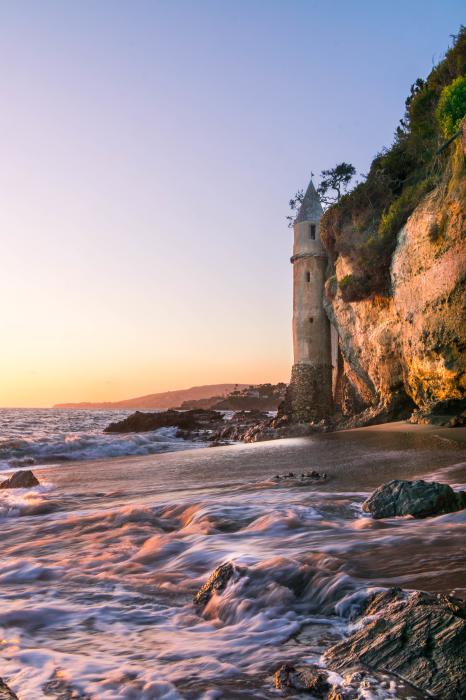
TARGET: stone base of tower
(309,396)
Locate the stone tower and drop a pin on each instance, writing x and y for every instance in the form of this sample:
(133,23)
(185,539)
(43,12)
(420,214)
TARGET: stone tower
(310,393)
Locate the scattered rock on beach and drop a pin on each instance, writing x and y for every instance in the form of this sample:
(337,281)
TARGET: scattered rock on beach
(418,636)
(417,498)
(300,478)
(23,479)
(5,692)
(217,581)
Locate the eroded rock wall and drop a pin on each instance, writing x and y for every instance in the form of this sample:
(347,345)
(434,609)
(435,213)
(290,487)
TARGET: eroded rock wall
(408,350)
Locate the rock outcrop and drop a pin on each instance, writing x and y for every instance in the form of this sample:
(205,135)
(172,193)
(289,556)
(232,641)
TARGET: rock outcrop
(5,692)
(140,422)
(418,636)
(202,424)
(407,351)
(23,479)
(417,498)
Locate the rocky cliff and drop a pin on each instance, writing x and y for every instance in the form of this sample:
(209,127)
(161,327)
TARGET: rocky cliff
(404,351)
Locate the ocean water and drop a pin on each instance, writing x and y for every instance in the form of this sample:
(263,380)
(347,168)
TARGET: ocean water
(101,561)
(47,435)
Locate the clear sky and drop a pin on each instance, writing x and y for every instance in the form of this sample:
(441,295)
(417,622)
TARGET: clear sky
(148,152)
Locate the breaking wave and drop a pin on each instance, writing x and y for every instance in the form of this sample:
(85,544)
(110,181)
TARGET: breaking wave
(46,436)
(99,568)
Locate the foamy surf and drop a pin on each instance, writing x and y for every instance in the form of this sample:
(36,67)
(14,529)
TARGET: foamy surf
(21,502)
(97,594)
(46,436)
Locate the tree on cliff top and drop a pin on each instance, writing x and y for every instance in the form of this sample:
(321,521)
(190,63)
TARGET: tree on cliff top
(336,179)
(334,182)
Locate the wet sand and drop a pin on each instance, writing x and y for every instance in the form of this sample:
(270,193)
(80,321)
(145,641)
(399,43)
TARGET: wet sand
(361,458)
(100,563)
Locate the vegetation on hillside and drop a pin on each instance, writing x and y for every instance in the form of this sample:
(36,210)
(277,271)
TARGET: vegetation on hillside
(264,397)
(363,225)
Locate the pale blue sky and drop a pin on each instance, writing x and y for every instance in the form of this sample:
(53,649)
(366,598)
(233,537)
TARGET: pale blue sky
(148,153)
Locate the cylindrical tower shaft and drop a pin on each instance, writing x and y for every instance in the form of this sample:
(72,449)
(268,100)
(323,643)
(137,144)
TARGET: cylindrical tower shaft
(310,393)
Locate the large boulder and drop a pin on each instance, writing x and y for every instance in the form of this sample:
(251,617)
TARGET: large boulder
(417,498)
(23,479)
(217,581)
(418,636)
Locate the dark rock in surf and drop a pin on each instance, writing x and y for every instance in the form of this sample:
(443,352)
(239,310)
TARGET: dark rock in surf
(217,581)
(310,678)
(140,422)
(61,689)
(5,692)
(418,636)
(24,479)
(356,683)
(361,683)
(417,498)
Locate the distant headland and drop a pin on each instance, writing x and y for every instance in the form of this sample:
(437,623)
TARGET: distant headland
(162,400)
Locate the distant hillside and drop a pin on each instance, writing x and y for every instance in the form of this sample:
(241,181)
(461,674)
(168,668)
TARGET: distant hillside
(165,399)
(256,397)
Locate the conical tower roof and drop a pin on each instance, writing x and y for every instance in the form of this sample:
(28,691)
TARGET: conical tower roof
(311,208)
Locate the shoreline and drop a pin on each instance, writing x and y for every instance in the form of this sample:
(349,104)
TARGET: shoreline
(344,455)
(147,532)
(456,435)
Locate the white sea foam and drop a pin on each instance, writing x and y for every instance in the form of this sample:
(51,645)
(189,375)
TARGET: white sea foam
(97,593)
(46,436)
(30,501)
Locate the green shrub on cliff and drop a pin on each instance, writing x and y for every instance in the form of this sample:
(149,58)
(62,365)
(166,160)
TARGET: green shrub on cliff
(451,107)
(353,288)
(364,224)
(401,208)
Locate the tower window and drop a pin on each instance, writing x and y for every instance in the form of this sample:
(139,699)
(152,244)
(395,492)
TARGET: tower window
(311,320)
(312,232)
(308,276)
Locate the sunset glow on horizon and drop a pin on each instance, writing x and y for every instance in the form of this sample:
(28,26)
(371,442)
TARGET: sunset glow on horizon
(149,150)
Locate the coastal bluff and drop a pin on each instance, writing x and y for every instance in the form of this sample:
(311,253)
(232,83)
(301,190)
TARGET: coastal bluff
(403,353)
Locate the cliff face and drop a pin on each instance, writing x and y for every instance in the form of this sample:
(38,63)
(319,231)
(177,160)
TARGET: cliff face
(407,350)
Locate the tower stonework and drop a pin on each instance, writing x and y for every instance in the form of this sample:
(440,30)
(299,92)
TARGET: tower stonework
(310,391)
